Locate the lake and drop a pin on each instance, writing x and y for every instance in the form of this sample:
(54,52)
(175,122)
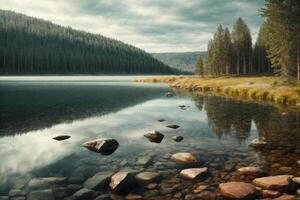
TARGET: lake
(217,130)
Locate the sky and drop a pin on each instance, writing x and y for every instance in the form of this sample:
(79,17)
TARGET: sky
(152,25)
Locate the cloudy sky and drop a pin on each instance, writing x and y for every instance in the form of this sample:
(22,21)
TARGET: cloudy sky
(153,25)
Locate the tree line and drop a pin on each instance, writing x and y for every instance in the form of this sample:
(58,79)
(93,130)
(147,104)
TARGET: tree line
(34,46)
(276,49)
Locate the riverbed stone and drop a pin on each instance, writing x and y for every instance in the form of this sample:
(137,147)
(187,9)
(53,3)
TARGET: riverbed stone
(193,173)
(296,180)
(4,198)
(177,138)
(184,157)
(286,197)
(258,143)
(98,181)
(133,197)
(40,195)
(102,146)
(16,192)
(173,126)
(122,182)
(45,182)
(144,160)
(83,193)
(104,197)
(151,186)
(61,137)
(154,136)
(169,94)
(148,177)
(270,194)
(278,183)
(251,171)
(237,190)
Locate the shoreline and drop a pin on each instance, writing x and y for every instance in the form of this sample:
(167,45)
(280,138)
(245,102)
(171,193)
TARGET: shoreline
(262,89)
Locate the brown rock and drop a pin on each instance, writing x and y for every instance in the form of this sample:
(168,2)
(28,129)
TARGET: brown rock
(270,194)
(122,182)
(193,173)
(148,177)
(286,197)
(154,136)
(184,158)
(237,190)
(200,188)
(279,183)
(133,197)
(296,180)
(151,186)
(102,146)
(251,171)
(258,143)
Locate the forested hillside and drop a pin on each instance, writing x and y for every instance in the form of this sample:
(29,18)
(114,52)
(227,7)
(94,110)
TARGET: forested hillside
(184,61)
(34,46)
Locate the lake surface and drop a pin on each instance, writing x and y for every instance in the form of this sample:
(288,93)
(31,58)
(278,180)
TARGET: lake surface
(217,130)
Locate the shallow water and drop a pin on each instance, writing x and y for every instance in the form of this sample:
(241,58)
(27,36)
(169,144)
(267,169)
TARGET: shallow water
(216,129)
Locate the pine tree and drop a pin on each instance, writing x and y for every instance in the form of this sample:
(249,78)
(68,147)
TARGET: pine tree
(199,68)
(228,50)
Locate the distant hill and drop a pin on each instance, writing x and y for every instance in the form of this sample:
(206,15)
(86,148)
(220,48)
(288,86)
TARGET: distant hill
(33,46)
(184,61)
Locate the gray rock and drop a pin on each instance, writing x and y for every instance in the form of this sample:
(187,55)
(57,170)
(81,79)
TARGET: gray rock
(102,146)
(104,197)
(83,194)
(98,181)
(258,143)
(177,138)
(73,188)
(61,137)
(145,160)
(46,182)
(173,126)
(16,192)
(40,195)
(61,192)
(17,198)
(3,197)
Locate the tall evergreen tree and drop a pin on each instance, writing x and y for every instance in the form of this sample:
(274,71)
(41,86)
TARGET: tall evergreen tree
(228,51)
(199,68)
(242,42)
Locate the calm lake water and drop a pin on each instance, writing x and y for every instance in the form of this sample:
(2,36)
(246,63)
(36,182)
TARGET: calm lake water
(217,130)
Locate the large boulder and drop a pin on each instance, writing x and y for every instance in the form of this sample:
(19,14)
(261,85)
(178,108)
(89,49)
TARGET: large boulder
(148,177)
(193,173)
(238,190)
(122,182)
(45,182)
(40,195)
(278,183)
(154,136)
(99,180)
(184,158)
(102,146)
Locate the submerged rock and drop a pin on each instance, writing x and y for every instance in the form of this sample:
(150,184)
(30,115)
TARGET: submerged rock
(237,190)
(83,193)
(193,173)
(278,183)
(99,180)
(173,126)
(184,157)
(46,182)
(154,136)
(102,146)
(169,94)
(122,182)
(161,120)
(144,160)
(61,137)
(251,171)
(148,177)
(40,195)
(258,143)
(177,138)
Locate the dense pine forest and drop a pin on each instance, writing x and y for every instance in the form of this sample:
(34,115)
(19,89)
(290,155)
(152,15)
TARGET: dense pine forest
(276,50)
(34,46)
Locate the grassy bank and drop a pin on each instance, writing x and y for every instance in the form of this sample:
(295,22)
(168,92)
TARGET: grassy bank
(270,89)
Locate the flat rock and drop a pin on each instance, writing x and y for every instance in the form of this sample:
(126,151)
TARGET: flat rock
(102,146)
(183,157)
(286,197)
(133,197)
(237,190)
(4,198)
(144,160)
(270,194)
(148,177)
(40,195)
(46,182)
(16,192)
(258,143)
(278,183)
(296,180)
(104,197)
(151,186)
(173,126)
(122,182)
(61,137)
(83,193)
(154,136)
(177,138)
(99,180)
(252,171)
(193,173)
